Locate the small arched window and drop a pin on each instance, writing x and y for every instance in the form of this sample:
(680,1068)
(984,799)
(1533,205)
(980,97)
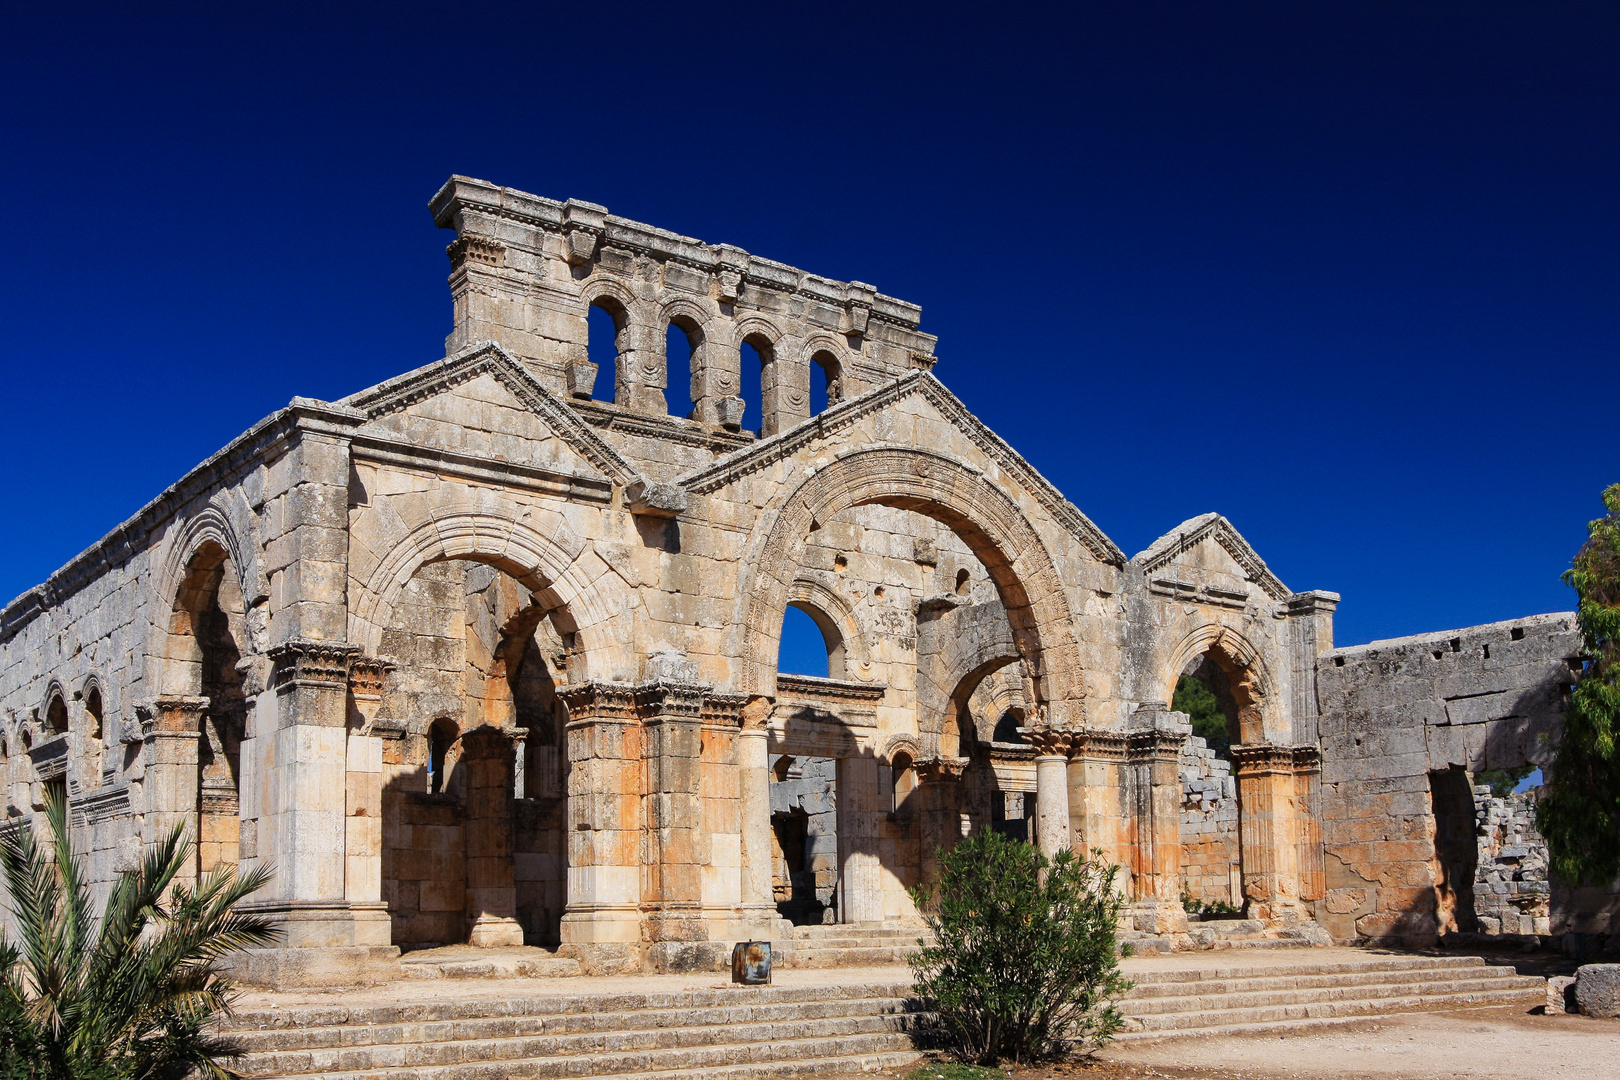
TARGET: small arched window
(604,323)
(92,709)
(784,765)
(1007,727)
(683,352)
(56,716)
(825,381)
(905,777)
(757,355)
(442,735)
(964,582)
(811,642)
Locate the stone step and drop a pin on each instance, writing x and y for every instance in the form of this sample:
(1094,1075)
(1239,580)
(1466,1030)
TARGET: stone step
(843,942)
(455,1051)
(682,1061)
(849,930)
(551,967)
(832,958)
(1326,967)
(896,1060)
(1206,987)
(1225,1020)
(1217,1002)
(358,1034)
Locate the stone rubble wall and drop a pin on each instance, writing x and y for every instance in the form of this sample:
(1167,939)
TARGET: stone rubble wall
(1511,890)
(1209,827)
(813,793)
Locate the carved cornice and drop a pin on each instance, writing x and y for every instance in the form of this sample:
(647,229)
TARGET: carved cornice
(105,805)
(1212,526)
(841,691)
(652,701)
(1100,746)
(610,417)
(320,664)
(767,452)
(50,757)
(727,710)
(1159,744)
(488,358)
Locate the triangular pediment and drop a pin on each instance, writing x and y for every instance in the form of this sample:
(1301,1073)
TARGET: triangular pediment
(1208,541)
(837,419)
(485,374)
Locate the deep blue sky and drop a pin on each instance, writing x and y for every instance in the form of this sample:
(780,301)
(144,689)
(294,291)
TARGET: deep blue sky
(1345,273)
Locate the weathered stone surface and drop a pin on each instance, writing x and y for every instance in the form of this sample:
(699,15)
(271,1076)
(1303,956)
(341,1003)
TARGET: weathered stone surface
(475,656)
(1597,990)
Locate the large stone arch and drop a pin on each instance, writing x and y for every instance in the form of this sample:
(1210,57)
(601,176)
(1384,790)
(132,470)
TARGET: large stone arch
(987,520)
(209,527)
(1246,672)
(578,590)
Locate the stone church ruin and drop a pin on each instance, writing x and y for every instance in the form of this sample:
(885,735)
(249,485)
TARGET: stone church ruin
(487,653)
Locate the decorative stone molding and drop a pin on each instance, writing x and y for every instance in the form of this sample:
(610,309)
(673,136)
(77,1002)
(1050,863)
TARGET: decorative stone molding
(1189,535)
(322,664)
(50,757)
(1049,742)
(838,691)
(481,250)
(488,358)
(646,498)
(936,770)
(108,804)
(367,674)
(1266,759)
(171,714)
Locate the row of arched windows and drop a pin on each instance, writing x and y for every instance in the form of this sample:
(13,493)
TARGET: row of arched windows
(683,344)
(56,722)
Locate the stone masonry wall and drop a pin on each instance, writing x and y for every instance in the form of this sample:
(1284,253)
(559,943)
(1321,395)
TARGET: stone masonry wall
(1210,870)
(1511,891)
(1403,722)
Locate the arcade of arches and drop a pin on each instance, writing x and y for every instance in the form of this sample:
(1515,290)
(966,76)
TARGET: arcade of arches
(489,653)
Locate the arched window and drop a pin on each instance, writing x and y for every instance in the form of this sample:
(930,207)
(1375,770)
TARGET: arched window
(964,582)
(905,777)
(825,372)
(783,768)
(442,735)
(756,354)
(92,708)
(1007,727)
(56,716)
(811,643)
(683,350)
(603,324)
(93,741)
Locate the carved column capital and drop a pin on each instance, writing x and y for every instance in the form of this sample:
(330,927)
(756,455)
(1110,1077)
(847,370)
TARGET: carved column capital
(937,770)
(312,663)
(1264,759)
(171,714)
(1050,741)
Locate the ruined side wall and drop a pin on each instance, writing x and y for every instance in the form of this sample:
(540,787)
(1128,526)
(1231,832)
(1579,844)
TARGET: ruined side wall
(1210,869)
(1395,712)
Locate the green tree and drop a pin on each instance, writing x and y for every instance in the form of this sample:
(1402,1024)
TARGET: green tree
(1199,702)
(1503,781)
(1579,813)
(1025,961)
(127,996)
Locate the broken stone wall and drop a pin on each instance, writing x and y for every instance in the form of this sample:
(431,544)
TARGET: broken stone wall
(1511,890)
(1396,718)
(1210,869)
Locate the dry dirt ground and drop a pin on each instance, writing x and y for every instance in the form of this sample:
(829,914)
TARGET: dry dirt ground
(1470,1044)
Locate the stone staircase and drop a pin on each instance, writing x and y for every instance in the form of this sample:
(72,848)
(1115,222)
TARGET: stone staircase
(1256,998)
(732,1033)
(838,945)
(739,1033)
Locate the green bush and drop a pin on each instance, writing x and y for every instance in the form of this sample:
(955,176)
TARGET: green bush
(1025,959)
(125,997)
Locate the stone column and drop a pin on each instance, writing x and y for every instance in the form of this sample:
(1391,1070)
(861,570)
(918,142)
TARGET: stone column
(362,836)
(1308,813)
(1156,741)
(1097,810)
(327,939)
(1052,747)
(487,755)
(939,789)
(754,798)
(601,924)
(860,883)
(642,369)
(1267,832)
(784,389)
(171,728)
(677,846)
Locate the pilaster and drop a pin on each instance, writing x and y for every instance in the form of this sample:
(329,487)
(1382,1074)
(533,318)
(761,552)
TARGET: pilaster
(1155,744)
(1270,835)
(1097,761)
(939,787)
(171,731)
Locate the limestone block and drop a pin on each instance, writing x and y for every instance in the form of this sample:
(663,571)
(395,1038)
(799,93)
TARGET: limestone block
(1560,995)
(1597,990)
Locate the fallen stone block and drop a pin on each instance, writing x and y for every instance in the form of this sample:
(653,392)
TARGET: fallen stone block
(1560,996)
(1597,990)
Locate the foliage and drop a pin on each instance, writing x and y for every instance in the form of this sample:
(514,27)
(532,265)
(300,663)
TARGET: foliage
(1579,813)
(125,997)
(1207,907)
(1195,698)
(1024,962)
(1503,781)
